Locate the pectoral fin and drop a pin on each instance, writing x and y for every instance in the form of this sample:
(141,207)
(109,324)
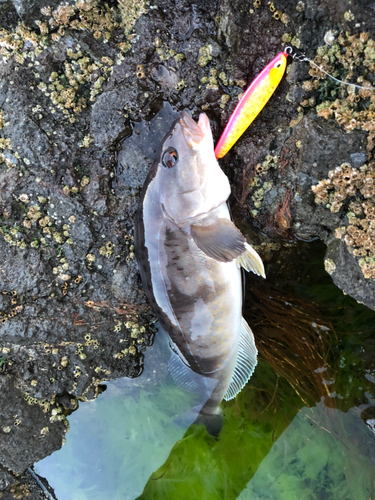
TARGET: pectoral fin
(224,242)
(251,261)
(246,362)
(221,240)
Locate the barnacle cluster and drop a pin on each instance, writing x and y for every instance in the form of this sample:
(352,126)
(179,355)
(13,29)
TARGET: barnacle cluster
(164,52)
(257,186)
(14,308)
(67,91)
(7,155)
(107,250)
(216,79)
(211,80)
(353,190)
(91,16)
(205,55)
(130,11)
(22,43)
(41,226)
(44,403)
(276,13)
(136,335)
(350,58)
(66,88)
(19,490)
(293,40)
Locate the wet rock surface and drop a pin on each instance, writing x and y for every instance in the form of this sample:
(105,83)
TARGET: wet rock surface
(86,94)
(26,485)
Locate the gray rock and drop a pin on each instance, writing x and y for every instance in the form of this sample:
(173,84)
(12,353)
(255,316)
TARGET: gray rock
(107,118)
(353,283)
(69,283)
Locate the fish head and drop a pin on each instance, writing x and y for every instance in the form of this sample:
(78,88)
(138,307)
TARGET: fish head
(189,179)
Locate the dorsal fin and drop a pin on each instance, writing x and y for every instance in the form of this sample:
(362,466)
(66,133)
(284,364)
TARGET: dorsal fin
(245,364)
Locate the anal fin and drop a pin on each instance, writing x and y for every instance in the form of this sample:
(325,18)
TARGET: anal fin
(246,362)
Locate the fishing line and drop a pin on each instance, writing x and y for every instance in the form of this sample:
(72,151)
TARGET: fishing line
(301,57)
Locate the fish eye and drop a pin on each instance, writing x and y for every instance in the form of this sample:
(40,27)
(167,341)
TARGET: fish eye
(277,65)
(170,158)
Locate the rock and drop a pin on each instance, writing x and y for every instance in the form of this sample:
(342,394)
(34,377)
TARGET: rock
(27,485)
(37,424)
(353,283)
(323,148)
(107,118)
(82,111)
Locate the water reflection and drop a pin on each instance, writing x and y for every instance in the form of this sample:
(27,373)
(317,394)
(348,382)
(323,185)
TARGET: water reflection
(323,453)
(115,442)
(128,445)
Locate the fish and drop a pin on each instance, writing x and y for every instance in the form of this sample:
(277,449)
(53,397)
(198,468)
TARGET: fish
(251,103)
(190,255)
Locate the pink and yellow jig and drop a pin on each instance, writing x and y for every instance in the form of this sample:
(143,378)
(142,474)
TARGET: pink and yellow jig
(252,103)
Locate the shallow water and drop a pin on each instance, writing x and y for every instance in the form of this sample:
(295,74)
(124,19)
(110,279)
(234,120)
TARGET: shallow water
(303,428)
(115,442)
(132,442)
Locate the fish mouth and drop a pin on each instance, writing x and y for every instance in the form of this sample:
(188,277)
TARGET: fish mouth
(193,133)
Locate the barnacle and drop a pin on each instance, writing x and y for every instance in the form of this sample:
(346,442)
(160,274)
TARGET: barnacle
(205,55)
(140,71)
(90,258)
(359,234)
(65,89)
(107,250)
(350,58)
(87,140)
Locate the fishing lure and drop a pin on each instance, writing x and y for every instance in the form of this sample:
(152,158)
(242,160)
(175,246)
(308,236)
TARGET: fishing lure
(252,103)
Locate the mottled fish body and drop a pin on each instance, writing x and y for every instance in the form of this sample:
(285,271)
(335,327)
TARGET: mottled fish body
(190,253)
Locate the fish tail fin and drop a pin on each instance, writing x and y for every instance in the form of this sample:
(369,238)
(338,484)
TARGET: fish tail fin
(245,364)
(213,422)
(251,261)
